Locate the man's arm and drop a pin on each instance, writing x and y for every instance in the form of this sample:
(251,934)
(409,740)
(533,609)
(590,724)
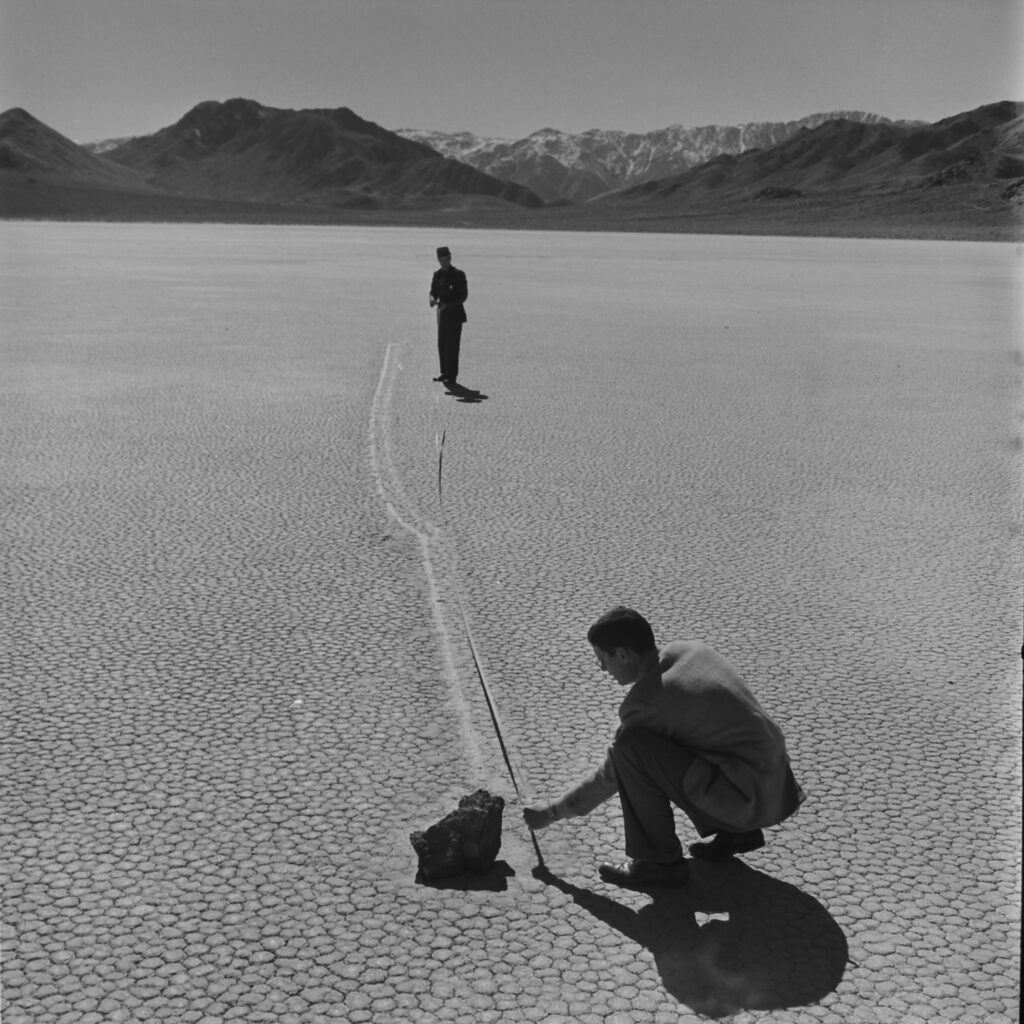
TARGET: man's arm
(597,787)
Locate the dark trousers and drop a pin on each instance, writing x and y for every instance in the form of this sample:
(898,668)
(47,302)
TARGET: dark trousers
(449,337)
(649,769)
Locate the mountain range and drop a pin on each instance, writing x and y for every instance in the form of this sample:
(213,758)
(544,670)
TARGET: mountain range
(984,145)
(560,166)
(241,160)
(242,150)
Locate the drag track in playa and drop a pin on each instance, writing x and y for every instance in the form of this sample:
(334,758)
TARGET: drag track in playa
(429,537)
(249,617)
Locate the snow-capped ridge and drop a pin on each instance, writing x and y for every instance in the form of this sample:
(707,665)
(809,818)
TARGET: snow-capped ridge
(562,166)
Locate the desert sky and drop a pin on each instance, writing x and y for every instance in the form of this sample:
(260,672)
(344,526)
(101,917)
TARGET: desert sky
(97,69)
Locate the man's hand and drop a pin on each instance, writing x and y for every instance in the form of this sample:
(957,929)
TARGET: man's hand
(539,816)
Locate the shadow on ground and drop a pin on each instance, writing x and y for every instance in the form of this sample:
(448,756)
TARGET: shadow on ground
(464,394)
(777,948)
(495,880)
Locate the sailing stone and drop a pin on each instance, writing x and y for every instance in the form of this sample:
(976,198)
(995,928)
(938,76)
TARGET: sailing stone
(467,839)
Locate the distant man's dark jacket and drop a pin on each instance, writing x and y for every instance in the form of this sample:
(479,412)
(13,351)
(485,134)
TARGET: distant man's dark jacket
(450,289)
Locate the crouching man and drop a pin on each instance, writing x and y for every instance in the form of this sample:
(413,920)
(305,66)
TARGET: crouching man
(691,734)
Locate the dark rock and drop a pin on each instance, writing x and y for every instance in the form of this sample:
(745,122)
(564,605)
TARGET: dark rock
(467,839)
(778,193)
(1014,191)
(954,174)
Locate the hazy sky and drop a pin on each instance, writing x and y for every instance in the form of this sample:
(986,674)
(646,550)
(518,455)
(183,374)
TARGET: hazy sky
(96,69)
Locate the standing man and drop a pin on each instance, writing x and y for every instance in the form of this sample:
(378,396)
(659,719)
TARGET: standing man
(448,291)
(692,735)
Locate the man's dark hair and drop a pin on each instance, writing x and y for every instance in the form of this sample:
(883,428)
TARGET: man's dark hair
(622,627)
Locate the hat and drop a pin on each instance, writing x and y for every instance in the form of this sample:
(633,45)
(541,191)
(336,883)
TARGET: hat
(444,251)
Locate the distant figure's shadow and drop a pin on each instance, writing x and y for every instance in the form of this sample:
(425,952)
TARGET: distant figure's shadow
(464,394)
(778,948)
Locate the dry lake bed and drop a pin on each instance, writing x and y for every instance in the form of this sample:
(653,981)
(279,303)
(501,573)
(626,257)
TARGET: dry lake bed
(255,562)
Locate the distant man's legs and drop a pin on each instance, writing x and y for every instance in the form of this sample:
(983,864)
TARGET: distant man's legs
(449,336)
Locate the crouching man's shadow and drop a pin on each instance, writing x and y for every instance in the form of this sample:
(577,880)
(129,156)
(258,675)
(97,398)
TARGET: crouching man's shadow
(770,945)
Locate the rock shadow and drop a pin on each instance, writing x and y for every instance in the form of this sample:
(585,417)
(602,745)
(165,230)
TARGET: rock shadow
(495,880)
(777,946)
(464,394)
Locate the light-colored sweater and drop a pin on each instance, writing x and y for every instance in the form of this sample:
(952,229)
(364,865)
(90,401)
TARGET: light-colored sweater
(740,773)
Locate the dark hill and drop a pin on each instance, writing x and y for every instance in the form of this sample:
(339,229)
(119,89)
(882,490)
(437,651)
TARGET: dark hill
(241,150)
(981,146)
(32,151)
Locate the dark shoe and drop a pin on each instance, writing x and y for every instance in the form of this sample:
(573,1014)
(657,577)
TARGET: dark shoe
(725,844)
(640,873)
(442,377)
